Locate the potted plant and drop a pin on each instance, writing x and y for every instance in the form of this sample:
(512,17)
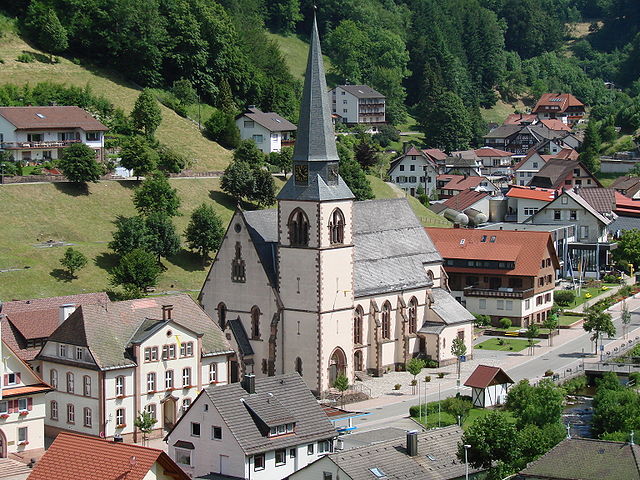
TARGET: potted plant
(427,378)
(414,383)
(25,442)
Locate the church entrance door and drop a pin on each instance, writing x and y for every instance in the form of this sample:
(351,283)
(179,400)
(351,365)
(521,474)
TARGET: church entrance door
(337,365)
(169,412)
(357,361)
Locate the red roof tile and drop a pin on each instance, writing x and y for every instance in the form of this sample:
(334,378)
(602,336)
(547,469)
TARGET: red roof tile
(484,375)
(465,199)
(567,154)
(561,100)
(492,152)
(460,182)
(49,302)
(26,390)
(73,456)
(50,117)
(533,193)
(555,124)
(35,323)
(518,118)
(435,153)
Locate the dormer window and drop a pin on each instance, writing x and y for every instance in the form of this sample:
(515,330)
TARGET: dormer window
(62,351)
(281,429)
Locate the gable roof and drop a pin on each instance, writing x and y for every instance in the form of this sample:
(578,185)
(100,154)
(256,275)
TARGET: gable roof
(561,100)
(531,193)
(492,152)
(73,456)
(413,151)
(460,182)
(297,402)
(567,154)
(448,309)
(525,249)
(435,153)
(464,199)
(580,201)
(50,302)
(555,171)
(628,184)
(586,459)
(51,117)
(518,118)
(31,387)
(601,199)
(484,375)
(361,91)
(555,124)
(269,120)
(503,131)
(108,331)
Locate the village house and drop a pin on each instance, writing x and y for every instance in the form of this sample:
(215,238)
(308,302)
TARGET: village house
(73,456)
(560,106)
(38,134)
(627,185)
(449,185)
(358,104)
(268,130)
(109,362)
(321,286)
(265,428)
(535,160)
(500,273)
(521,119)
(489,386)
(558,174)
(22,406)
(494,162)
(527,201)
(414,169)
(463,163)
(519,139)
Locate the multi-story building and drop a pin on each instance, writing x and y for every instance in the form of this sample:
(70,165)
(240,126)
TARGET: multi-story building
(448,185)
(559,173)
(500,273)
(524,202)
(37,134)
(268,130)
(22,406)
(561,106)
(414,169)
(358,104)
(265,428)
(109,362)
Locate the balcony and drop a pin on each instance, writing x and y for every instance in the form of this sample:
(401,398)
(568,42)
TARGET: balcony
(35,145)
(287,143)
(498,293)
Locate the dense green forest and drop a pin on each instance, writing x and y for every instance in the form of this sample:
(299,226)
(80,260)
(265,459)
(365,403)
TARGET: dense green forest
(441,60)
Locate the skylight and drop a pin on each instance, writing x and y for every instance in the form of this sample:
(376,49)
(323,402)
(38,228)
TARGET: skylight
(431,457)
(39,115)
(462,241)
(484,238)
(378,472)
(492,239)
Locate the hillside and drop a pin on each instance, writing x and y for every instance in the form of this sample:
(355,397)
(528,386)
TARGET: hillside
(174,130)
(295,51)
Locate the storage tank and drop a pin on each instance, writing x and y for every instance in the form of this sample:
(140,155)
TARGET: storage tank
(455,216)
(476,217)
(498,209)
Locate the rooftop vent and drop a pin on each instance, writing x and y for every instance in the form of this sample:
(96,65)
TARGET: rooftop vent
(412,443)
(40,115)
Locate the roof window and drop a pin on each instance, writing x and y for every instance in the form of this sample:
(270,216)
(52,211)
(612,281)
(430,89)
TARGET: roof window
(492,239)
(462,241)
(484,238)
(431,457)
(378,472)
(40,115)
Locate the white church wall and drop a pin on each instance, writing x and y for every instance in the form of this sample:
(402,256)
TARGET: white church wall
(298,337)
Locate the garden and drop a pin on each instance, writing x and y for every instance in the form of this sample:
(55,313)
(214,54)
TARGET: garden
(505,344)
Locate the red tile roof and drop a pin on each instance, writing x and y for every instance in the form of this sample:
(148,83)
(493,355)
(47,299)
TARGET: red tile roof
(566,154)
(460,182)
(414,151)
(525,248)
(50,117)
(73,456)
(492,152)
(626,204)
(35,323)
(555,124)
(561,100)
(531,193)
(465,199)
(484,376)
(48,302)
(26,390)
(518,118)
(435,153)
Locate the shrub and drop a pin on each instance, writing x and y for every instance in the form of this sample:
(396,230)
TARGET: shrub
(501,341)
(564,297)
(427,378)
(481,320)
(25,58)
(441,374)
(608,278)
(457,406)
(397,386)
(505,323)
(548,373)
(414,383)
(575,384)
(430,363)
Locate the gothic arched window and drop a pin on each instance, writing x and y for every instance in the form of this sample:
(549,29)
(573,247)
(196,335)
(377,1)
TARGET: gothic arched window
(386,320)
(222,315)
(299,365)
(336,227)
(299,228)
(238,271)
(413,315)
(357,325)
(255,322)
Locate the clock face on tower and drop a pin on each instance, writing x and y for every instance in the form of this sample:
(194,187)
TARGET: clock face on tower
(333,173)
(301,173)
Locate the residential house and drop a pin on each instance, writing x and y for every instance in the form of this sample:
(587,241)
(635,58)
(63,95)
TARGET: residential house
(561,106)
(430,455)
(585,459)
(268,130)
(413,169)
(500,273)
(358,104)
(495,162)
(526,201)
(109,362)
(558,174)
(521,119)
(627,185)
(536,158)
(266,428)
(28,323)
(463,163)
(555,124)
(489,386)
(449,185)
(519,139)
(38,134)
(73,456)
(320,285)
(22,406)
(592,248)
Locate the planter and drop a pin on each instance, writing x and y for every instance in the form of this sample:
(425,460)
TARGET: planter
(22,444)
(24,413)
(122,425)
(4,416)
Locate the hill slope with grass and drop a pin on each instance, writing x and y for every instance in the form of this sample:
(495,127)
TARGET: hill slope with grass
(295,51)
(175,131)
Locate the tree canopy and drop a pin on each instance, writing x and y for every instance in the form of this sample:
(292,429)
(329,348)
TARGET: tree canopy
(204,232)
(79,164)
(156,195)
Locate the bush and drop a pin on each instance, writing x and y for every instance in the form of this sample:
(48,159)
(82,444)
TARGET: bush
(430,363)
(501,341)
(457,406)
(610,278)
(25,58)
(481,320)
(575,384)
(441,374)
(427,378)
(414,383)
(397,386)
(548,373)
(505,323)
(564,298)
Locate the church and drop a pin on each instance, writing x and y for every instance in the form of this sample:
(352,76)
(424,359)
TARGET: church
(325,285)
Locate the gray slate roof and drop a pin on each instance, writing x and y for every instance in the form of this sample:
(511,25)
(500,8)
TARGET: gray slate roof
(601,199)
(269,120)
(107,331)
(263,230)
(448,308)
(623,223)
(503,131)
(292,393)
(316,190)
(269,409)
(361,91)
(240,334)
(391,457)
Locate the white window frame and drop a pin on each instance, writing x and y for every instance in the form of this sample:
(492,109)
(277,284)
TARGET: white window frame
(168,379)
(213,372)
(151,382)
(181,454)
(186,377)
(120,386)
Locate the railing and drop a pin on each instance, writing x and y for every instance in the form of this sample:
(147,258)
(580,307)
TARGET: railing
(491,292)
(287,143)
(53,144)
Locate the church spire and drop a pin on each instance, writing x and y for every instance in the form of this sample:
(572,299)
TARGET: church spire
(315,156)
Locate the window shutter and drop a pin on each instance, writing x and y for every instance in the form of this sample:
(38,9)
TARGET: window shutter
(18,377)
(13,406)
(30,403)
(6,380)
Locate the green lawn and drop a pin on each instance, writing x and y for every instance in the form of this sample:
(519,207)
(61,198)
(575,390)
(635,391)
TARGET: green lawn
(178,132)
(593,291)
(295,50)
(568,319)
(444,419)
(517,344)
(499,112)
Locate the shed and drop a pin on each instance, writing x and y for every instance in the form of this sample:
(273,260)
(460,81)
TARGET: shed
(489,386)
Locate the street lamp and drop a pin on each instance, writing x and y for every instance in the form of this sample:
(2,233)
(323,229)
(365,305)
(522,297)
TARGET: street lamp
(466,462)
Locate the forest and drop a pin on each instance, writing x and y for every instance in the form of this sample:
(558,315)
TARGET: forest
(439,60)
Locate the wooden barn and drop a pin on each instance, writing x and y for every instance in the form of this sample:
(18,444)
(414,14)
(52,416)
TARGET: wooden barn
(489,386)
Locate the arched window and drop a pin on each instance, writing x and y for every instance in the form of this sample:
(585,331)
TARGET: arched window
(386,320)
(430,275)
(222,315)
(299,365)
(336,227)
(413,315)
(357,361)
(53,410)
(53,378)
(255,322)
(238,270)
(298,228)
(357,325)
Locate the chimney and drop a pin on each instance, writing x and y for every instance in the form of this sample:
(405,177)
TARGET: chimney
(249,383)
(412,443)
(64,311)
(166,312)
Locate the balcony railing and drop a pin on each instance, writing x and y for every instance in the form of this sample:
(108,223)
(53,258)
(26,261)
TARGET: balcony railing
(31,145)
(499,293)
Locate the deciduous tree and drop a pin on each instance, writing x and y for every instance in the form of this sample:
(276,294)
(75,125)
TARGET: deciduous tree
(221,127)
(249,153)
(161,235)
(237,180)
(137,155)
(73,260)
(79,164)
(136,271)
(551,322)
(628,251)
(130,234)
(491,439)
(458,349)
(445,122)
(205,231)
(597,322)
(341,384)
(264,188)
(156,195)
(146,113)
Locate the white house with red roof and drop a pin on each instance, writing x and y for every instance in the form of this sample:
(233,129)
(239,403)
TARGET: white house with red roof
(489,386)
(535,160)
(494,161)
(22,406)
(523,202)
(449,185)
(561,106)
(36,134)
(416,168)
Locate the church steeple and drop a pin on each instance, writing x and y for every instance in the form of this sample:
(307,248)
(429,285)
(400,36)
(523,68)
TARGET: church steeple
(315,157)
